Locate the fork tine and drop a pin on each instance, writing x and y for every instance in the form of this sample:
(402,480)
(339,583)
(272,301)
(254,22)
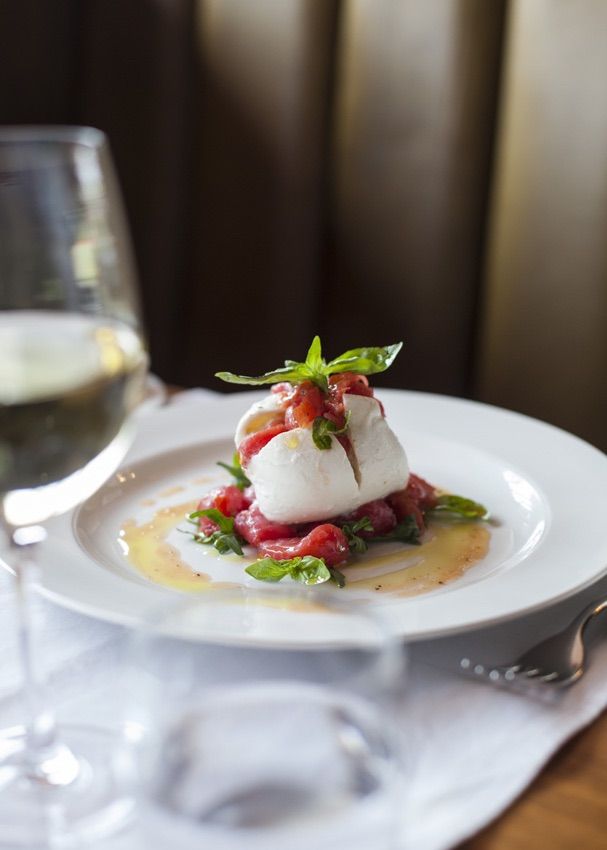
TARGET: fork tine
(530,672)
(549,677)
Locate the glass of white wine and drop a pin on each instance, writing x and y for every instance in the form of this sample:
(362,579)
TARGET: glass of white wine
(72,369)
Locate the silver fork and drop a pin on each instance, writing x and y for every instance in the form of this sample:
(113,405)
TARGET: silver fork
(559,659)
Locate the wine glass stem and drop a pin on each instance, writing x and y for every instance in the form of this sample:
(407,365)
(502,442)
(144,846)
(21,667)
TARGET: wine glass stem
(46,760)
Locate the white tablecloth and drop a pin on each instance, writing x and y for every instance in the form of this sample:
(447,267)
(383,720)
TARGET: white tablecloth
(471,747)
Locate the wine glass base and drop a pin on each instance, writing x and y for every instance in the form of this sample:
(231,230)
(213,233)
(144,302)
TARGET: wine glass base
(92,803)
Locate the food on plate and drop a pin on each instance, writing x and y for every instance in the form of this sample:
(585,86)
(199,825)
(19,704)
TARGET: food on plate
(318,473)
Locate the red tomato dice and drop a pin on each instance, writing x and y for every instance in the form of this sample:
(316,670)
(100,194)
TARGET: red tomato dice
(418,497)
(255,527)
(229,500)
(326,541)
(304,405)
(381,516)
(422,492)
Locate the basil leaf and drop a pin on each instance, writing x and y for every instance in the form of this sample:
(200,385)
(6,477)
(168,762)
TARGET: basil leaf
(364,361)
(362,524)
(267,569)
(241,481)
(407,531)
(460,506)
(350,529)
(308,570)
(292,373)
(314,358)
(225,543)
(323,428)
(337,577)
(225,523)
(224,539)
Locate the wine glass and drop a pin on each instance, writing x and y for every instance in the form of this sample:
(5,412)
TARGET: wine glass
(243,740)
(72,369)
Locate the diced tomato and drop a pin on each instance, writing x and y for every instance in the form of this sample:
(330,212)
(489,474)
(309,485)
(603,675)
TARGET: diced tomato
(282,388)
(255,442)
(304,405)
(349,382)
(255,527)
(206,525)
(417,497)
(284,391)
(326,541)
(403,506)
(381,516)
(229,500)
(341,384)
(305,402)
(423,492)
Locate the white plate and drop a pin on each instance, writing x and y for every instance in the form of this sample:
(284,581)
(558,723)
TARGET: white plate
(547,488)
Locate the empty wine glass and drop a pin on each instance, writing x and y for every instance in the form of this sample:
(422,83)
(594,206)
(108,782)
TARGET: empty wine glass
(72,368)
(264,718)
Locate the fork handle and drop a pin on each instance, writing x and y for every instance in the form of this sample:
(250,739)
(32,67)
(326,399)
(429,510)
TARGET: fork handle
(590,611)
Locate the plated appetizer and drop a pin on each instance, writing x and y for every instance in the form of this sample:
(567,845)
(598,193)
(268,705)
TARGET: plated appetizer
(319,475)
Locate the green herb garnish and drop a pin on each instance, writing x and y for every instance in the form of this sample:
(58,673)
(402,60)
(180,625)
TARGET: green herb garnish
(407,531)
(355,542)
(338,577)
(461,507)
(364,361)
(323,428)
(224,539)
(241,480)
(308,570)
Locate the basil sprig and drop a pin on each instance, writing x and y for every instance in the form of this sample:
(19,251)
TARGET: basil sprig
(323,428)
(355,542)
(241,481)
(460,506)
(307,570)
(364,361)
(224,539)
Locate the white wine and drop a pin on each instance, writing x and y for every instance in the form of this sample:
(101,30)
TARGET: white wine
(67,385)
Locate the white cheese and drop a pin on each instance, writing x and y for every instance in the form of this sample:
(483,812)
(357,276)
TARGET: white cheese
(257,417)
(382,463)
(295,481)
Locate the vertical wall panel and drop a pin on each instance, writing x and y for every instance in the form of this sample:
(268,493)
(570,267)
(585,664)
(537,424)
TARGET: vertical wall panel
(413,132)
(263,87)
(36,61)
(133,82)
(544,349)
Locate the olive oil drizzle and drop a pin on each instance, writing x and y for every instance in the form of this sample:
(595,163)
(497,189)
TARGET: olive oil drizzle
(446,553)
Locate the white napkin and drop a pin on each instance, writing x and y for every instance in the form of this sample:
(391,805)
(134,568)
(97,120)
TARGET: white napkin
(476,746)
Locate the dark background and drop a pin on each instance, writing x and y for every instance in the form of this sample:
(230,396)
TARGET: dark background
(434,172)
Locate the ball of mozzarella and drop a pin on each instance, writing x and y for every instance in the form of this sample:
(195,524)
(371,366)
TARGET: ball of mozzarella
(295,481)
